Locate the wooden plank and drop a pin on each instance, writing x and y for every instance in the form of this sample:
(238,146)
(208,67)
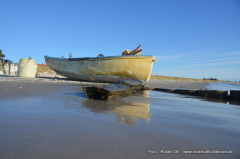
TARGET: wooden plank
(121,88)
(235,95)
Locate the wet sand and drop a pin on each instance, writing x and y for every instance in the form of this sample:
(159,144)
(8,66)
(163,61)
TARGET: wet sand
(56,120)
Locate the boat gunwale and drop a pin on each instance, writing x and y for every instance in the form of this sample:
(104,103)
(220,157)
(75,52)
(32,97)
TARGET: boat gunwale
(105,58)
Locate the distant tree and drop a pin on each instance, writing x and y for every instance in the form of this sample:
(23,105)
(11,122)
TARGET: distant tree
(204,78)
(1,54)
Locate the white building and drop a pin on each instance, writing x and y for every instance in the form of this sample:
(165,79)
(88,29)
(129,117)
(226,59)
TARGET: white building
(8,68)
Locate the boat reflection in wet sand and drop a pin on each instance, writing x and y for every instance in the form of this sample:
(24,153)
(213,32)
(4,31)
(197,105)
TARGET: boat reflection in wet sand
(129,114)
(126,112)
(108,69)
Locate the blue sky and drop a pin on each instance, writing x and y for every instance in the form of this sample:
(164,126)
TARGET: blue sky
(190,38)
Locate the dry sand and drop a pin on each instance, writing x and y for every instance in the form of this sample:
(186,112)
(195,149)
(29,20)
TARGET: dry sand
(16,87)
(57,79)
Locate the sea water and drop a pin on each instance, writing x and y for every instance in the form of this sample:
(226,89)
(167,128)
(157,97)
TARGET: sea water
(223,86)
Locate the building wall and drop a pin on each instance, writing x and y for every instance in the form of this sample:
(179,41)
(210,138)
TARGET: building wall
(9,68)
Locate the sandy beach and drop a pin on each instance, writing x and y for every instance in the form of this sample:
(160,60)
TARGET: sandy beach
(16,87)
(52,118)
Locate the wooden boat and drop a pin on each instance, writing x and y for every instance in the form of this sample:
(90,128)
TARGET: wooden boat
(108,69)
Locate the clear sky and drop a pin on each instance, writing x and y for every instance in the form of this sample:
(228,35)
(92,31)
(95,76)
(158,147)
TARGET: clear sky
(190,38)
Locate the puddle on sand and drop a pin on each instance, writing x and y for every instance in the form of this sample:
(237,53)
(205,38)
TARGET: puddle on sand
(140,107)
(147,106)
(125,112)
(136,123)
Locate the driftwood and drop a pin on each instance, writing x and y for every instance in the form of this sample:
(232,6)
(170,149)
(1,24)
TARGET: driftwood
(121,88)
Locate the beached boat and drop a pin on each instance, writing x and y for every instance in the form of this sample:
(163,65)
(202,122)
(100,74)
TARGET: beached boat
(108,69)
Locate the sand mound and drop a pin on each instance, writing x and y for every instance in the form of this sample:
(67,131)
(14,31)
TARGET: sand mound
(46,71)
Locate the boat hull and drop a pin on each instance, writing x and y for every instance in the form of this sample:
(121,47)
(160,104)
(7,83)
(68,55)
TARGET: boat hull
(106,69)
